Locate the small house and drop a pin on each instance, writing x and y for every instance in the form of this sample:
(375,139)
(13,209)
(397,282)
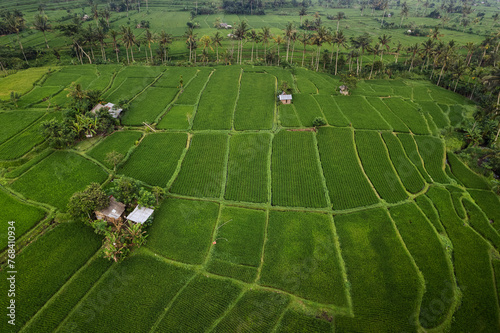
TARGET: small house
(225,26)
(140,214)
(113,110)
(344,91)
(85,17)
(285,99)
(112,213)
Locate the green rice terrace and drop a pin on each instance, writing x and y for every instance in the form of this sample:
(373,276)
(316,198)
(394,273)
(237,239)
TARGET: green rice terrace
(268,224)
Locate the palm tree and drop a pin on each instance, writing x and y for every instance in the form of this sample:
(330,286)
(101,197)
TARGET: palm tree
(384,42)
(113,35)
(265,35)
(129,41)
(207,42)
(101,36)
(165,40)
(404,13)
(90,37)
(289,30)
(413,50)
(341,40)
(216,40)
(41,24)
(190,41)
(95,15)
(362,43)
(459,68)
(384,6)
(278,40)
(446,57)
(106,14)
(304,39)
(397,49)
(427,49)
(338,17)
(241,34)
(470,47)
(254,36)
(15,23)
(294,38)
(318,38)
(375,50)
(149,38)
(302,12)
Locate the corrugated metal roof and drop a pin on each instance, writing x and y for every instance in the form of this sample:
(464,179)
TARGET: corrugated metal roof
(140,214)
(285,97)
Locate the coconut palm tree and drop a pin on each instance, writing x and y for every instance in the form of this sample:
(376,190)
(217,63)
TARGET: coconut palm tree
(427,49)
(304,38)
(404,13)
(101,35)
(41,23)
(294,38)
(95,14)
(459,68)
(129,41)
(397,50)
(265,35)
(302,12)
(106,14)
(278,40)
(492,82)
(114,35)
(289,30)
(217,41)
(150,38)
(470,47)
(377,49)
(384,42)
(318,38)
(341,40)
(254,36)
(362,43)
(15,23)
(446,57)
(190,41)
(206,41)
(413,50)
(241,34)
(165,40)
(338,17)
(384,6)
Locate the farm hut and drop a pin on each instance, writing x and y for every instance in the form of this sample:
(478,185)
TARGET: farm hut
(113,110)
(112,213)
(225,26)
(140,214)
(344,91)
(285,99)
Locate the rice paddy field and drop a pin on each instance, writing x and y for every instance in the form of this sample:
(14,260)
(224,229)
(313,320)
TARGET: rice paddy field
(366,224)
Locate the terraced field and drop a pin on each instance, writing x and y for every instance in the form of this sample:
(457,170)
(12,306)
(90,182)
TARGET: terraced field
(366,224)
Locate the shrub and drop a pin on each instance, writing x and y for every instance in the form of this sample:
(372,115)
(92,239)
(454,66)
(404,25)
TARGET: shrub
(319,121)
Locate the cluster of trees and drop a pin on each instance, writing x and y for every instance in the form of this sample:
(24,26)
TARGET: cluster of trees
(78,122)
(120,237)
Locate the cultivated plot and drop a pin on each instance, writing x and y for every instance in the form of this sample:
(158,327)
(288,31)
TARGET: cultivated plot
(202,171)
(149,105)
(361,114)
(155,160)
(177,118)
(295,173)
(301,257)
(120,142)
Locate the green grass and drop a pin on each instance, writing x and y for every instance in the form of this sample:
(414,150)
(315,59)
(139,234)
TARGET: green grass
(25,216)
(191,92)
(422,93)
(149,105)
(407,172)
(256,102)
(295,175)
(20,82)
(479,222)
(45,265)
(305,86)
(30,163)
(433,154)
(182,230)
(282,75)
(178,117)
(439,118)
(255,311)
(411,150)
(360,113)
(24,141)
(347,185)
(378,167)
(155,160)
(60,306)
(56,178)
(478,310)
(456,197)
(490,205)
(199,305)
(409,114)
(442,95)
(456,115)
(288,116)
(172,75)
(465,175)
(127,88)
(120,142)
(384,282)
(296,322)
(307,109)
(300,257)
(427,207)
(247,174)
(216,107)
(396,123)
(332,113)
(17,120)
(202,170)
(430,258)
(139,283)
